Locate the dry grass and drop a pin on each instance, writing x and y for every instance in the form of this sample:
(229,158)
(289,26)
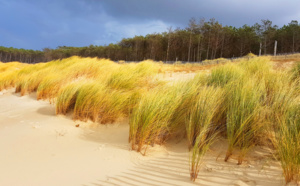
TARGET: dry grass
(243,101)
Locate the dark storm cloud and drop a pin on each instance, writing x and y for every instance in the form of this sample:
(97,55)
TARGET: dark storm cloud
(231,12)
(37,24)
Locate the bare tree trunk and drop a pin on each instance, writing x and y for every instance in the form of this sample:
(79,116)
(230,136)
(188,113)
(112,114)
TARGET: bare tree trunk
(201,50)
(198,49)
(222,47)
(265,46)
(216,46)
(241,49)
(275,48)
(151,51)
(208,45)
(136,51)
(293,42)
(190,43)
(168,48)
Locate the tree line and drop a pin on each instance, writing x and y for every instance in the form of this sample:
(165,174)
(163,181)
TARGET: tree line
(200,40)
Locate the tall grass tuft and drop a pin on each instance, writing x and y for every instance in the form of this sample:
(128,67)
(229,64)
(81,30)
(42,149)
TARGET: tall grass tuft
(202,144)
(258,66)
(201,114)
(244,114)
(150,120)
(296,71)
(99,104)
(288,142)
(200,127)
(8,74)
(130,76)
(67,96)
(223,75)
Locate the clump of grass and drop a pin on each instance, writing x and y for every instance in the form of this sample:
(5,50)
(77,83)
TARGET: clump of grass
(243,113)
(99,104)
(296,70)
(250,55)
(188,92)
(29,78)
(50,86)
(200,127)
(202,144)
(201,114)
(67,96)
(223,75)
(8,74)
(73,69)
(288,142)
(130,76)
(150,120)
(258,66)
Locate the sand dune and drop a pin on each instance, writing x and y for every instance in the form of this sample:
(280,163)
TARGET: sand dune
(39,148)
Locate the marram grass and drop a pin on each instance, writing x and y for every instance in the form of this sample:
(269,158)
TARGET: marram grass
(200,127)
(221,76)
(201,114)
(243,114)
(8,74)
(241,101)
(150,120)
(288,142)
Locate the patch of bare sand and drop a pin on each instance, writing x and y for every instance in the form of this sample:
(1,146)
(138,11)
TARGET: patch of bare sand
(39,148)
(283,64)
(175,76)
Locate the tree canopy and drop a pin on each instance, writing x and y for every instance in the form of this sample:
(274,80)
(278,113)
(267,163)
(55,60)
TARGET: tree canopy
(200,40)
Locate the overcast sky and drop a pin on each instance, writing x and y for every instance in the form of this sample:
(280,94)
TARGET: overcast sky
(36,24)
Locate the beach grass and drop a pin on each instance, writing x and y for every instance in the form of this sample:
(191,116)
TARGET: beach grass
(247,102)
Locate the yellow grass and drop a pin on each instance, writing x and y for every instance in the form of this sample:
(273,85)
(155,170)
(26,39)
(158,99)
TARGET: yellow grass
(243,101)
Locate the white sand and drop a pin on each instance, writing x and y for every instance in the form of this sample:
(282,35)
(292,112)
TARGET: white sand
(38,148)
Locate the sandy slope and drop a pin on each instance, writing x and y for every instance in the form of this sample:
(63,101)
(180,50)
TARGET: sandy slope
(39,148)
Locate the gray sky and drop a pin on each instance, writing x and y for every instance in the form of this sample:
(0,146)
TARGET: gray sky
(36,24)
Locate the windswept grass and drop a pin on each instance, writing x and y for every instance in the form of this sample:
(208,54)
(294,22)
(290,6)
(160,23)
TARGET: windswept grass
(96,89)
(150,120)
(296,71)
(201,114)
(223,75)
(244,110)
(288,142)
(200,127)
(28,78)
(240,101)
(67,96)
(94,101)
(202,144)
(130,76)
(8,74)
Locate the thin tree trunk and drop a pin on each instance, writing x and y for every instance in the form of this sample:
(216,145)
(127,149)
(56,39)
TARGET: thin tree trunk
(189,53)
(222,47)
(241,49)
(168,48)
(198,49)
(265,46)
(293,42)
(208,45)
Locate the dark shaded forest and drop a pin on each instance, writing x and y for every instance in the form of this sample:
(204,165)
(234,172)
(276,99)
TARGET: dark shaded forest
(199,41)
